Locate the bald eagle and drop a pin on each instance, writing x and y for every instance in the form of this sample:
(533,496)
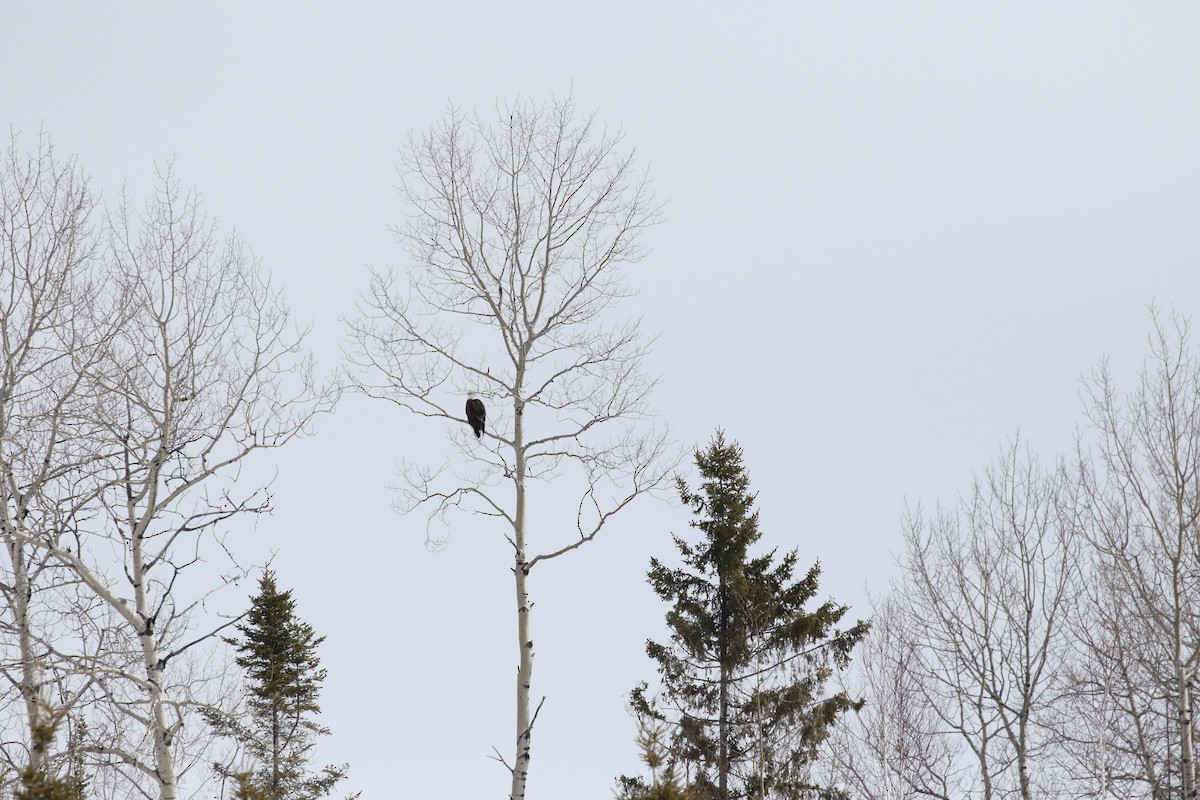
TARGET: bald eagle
(476,414)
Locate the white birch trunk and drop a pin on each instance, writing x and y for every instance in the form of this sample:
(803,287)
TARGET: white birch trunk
(32,693)
(160,729)
(1187,760)
(524,731)
(164,756)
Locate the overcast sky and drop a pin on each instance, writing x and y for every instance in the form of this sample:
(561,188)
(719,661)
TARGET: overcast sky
(896,234)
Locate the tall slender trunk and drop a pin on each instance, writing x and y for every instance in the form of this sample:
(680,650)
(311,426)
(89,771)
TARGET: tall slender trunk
(164,758)
(275,753)
(1187,760)
(1021,745)
(524,732)
(723,698)
(32,693)
(985,770)
(1181,603)
(161,730)
(1023,776)
(759,730)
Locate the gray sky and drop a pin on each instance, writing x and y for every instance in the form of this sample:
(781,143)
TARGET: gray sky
(897,233)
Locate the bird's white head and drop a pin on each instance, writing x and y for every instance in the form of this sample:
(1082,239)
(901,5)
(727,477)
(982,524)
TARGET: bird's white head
(472,394)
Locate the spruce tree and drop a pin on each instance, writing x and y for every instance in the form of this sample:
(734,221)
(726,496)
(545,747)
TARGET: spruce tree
(653,741)
(37,783)
(283,677)
(743,675)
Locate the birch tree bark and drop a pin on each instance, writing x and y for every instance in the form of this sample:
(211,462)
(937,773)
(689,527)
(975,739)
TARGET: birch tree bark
(518,231)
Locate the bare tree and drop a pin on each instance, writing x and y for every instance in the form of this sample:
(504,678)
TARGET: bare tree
(896,746)
(1116,719)
(519,228)
(1141,498)
(47,337)
(1064,667)
(203,370)
(990,587)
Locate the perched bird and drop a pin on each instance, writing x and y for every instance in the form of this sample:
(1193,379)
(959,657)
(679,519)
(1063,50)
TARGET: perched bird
(476,414)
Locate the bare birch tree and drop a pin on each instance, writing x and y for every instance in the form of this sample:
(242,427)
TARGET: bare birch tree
(48,335)
(1141,490)
(519,227)
(991,586)
(896,746)
(203,370)
(1115,720)
(1066,678)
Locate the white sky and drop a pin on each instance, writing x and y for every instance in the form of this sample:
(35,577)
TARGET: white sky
(897,233)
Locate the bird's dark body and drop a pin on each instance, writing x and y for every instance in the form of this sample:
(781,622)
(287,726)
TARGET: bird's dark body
(476,416)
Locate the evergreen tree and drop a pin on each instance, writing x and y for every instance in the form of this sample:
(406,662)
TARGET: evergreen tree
(284,676)
(653,741)
(743,675)
(37,783)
